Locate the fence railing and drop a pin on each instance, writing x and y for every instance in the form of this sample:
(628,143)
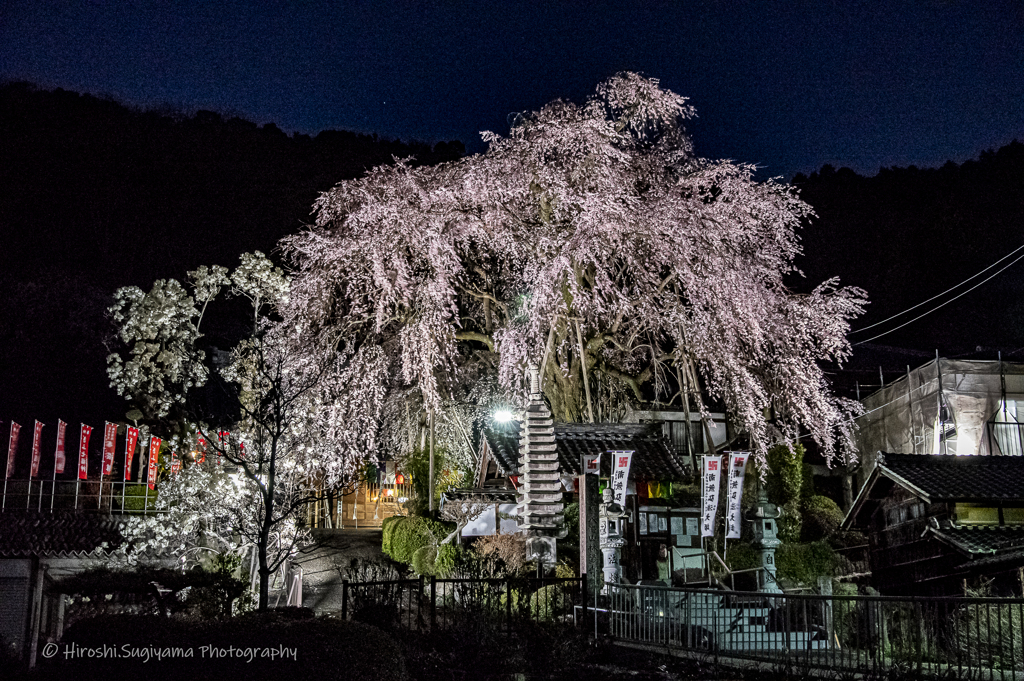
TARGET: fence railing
(431,604)
(107,496)
(928,637)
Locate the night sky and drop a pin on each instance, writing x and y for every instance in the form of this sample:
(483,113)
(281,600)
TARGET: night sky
(788,86)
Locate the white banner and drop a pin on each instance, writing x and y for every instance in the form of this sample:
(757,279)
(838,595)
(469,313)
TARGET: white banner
(620,475)
(709,488)
(733,514)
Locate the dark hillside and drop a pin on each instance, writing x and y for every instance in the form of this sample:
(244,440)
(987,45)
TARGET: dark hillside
(97,196)
(908,234)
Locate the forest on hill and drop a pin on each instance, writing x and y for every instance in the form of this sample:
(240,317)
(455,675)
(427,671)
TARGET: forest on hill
(97,195)
(908,234)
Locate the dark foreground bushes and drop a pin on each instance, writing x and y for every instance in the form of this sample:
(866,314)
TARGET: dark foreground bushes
(274,645)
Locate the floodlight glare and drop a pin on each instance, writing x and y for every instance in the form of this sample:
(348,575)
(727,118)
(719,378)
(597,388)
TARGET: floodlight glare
(503,416)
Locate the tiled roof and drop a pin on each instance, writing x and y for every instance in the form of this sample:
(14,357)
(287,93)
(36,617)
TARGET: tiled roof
(29,533)
(481,496)
(653,458)
(977,541)
(959,478)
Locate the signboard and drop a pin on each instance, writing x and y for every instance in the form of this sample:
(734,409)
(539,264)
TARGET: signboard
(592,464)
(712,473)
(620,475)
(733,513)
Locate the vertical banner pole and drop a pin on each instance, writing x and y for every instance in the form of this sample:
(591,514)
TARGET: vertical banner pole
(99,502)
(53,487)
(78,482)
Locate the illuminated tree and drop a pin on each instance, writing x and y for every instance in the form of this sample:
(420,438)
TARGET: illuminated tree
(590,240)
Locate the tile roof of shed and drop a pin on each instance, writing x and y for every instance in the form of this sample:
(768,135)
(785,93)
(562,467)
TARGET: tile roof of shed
(959,478)
(977,541)
(653,458)
(66,534)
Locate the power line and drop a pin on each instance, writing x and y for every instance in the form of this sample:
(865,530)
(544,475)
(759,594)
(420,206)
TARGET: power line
(925,314)
(898,314)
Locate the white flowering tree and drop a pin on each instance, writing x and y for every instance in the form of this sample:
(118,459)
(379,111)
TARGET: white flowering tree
(203,511)
(291,437)
(592,241)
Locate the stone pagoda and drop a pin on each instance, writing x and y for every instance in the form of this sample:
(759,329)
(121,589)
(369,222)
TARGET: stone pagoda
(540,487)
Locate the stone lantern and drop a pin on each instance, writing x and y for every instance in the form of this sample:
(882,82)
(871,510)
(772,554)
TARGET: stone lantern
(765,519)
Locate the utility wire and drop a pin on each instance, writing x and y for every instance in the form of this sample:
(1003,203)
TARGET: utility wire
(898,314)
(925,314)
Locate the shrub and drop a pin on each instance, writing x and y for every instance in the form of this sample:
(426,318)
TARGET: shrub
(404,535)
(821,518)
(549,603)
(507,550)
(785,474)
(804,563)
(449,557)
(790,522)
(423,560)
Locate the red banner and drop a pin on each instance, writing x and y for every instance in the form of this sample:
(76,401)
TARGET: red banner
(129,451)
(83,452)
(154,454)
(12,447)
(109,443)
(58,456)
(175,463)
(37,433)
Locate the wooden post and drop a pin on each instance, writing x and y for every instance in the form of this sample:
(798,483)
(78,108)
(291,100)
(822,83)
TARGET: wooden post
(430,481)
(583,364)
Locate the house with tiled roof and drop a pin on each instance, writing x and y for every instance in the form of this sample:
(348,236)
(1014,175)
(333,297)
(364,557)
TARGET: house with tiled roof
(36,549)
(934,521)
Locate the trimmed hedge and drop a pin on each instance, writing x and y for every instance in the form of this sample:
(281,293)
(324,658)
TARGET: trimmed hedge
(804,563)
(821,518)
(404,535)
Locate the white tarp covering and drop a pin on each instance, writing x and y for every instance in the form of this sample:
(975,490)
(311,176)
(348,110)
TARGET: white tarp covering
(903,417)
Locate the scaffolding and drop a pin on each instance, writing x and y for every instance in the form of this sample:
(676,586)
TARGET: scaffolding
(955,407)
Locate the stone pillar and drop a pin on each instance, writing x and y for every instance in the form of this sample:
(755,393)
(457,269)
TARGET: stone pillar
(590,547)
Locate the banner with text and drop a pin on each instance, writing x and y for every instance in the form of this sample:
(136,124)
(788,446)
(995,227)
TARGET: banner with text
(154,454)
(83,452)
(733,514)
(109,444)
(620,475)
(12,447)
(175,463)
(37,435)
(129,451)
(58,455)
(709,488)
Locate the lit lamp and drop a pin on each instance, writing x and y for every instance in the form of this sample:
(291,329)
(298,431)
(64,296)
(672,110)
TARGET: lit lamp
(399,479)
(503,416)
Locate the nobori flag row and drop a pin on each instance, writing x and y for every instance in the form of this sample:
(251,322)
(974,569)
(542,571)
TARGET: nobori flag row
(710,480)
(132,441)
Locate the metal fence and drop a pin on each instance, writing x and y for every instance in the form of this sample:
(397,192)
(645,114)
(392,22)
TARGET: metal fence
(874,635)
(106,496)
(431,604)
